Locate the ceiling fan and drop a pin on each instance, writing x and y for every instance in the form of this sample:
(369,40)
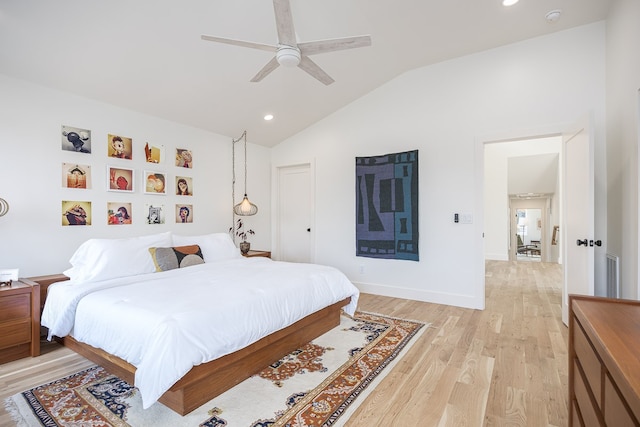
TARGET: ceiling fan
(289,52)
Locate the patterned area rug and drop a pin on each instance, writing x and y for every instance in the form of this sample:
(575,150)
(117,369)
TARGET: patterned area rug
(317,385)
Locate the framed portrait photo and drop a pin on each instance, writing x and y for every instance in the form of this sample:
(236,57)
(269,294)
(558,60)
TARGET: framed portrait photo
(119,179)
(184,158)
(184,214)
(155,214)
(76,139)
(184,186)
(120,147)
(119,213)
(76,212)
(155,182)
(153,154)
(76,176)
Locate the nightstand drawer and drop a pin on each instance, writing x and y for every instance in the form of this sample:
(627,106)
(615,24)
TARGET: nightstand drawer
(19,320)
(15,307)
(15,332)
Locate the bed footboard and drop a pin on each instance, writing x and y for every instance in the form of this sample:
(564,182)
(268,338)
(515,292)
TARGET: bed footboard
(204,382)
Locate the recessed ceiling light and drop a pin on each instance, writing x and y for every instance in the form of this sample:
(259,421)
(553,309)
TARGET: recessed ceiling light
(509,2)
(268,117)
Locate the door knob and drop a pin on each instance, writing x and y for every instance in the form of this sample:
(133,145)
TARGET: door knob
(596,242)
(582,242)
(309,230)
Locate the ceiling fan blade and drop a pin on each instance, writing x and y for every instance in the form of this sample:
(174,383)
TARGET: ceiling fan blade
(322,46)
(284,23)
(239,43)
(315,71)
(271,65)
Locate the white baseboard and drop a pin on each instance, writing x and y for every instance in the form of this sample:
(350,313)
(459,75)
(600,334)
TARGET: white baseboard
(496,257)
(457,300)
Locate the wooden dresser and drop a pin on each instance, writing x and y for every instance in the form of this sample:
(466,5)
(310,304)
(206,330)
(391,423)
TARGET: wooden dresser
(604,362)
(19,320)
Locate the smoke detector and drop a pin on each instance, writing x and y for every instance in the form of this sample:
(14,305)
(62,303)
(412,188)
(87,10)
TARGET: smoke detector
(553,15)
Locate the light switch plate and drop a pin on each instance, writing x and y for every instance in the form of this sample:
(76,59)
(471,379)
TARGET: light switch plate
(7,275)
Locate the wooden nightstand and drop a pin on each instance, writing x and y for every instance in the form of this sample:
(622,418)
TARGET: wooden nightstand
(266,254)
(44,282)
(19,320)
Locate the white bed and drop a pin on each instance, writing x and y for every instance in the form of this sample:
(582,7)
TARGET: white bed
(165,323)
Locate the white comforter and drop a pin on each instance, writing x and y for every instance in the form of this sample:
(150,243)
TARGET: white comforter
(165,323)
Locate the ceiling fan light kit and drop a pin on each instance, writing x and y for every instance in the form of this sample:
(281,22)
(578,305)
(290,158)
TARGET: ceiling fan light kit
(288,56)
(290,53)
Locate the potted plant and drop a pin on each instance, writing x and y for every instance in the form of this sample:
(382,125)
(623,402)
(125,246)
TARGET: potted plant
(240,231)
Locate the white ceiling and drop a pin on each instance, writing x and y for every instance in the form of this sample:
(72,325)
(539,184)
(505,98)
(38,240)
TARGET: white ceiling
(147,55)
(535,174)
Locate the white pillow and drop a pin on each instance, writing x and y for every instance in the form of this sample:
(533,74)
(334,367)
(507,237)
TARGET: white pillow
(214,246)
(102,259)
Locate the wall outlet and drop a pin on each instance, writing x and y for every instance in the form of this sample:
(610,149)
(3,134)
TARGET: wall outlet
(361,269)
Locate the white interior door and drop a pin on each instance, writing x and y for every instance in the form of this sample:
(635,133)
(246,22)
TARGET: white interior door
(294,215)
(578,222)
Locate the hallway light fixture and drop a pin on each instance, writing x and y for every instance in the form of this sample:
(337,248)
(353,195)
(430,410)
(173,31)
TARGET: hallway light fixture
(245,207)
(4,207)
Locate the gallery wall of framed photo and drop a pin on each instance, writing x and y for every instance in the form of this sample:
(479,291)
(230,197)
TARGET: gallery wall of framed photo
(165,172)
(40,173)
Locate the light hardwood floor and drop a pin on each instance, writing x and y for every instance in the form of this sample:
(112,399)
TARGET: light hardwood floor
(502,366)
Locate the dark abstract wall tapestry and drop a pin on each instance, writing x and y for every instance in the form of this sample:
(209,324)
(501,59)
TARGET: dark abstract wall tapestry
(387,206)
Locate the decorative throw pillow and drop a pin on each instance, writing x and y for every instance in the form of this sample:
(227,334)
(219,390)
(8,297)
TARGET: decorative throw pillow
(176,257)
(215,246)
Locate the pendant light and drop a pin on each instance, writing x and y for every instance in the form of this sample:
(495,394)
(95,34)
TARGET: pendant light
(245,207)
(4,207)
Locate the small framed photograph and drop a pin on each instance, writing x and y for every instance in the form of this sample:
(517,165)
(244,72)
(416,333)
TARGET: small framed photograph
(119,179)
(76,176)
(118,213)
(120,147)
(155,214)
(184,186)
(184,158)
(76,139)
(155,182)
(184,214)
(153,154)
(76,213)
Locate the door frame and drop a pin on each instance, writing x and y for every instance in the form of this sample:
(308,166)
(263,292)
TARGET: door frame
(276,221)
(480,143)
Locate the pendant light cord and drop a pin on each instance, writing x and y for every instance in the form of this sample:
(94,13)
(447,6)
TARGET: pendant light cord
(233,181)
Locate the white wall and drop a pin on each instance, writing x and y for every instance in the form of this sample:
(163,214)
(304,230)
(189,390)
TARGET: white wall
(496,192)
(623,83)
(443,111)
(32,236)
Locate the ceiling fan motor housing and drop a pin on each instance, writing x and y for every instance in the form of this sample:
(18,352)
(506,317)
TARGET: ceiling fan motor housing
(288,56)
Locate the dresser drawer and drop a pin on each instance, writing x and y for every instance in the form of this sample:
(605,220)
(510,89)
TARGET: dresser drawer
(589,361)
(15,332)
(15,307)
(615,410)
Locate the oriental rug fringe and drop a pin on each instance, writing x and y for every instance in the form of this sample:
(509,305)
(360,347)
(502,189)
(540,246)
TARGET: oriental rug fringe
(320,384)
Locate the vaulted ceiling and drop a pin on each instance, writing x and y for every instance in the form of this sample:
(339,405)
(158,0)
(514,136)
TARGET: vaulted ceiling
(148,56)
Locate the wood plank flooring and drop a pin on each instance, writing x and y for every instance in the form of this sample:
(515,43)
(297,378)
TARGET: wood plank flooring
(502,366)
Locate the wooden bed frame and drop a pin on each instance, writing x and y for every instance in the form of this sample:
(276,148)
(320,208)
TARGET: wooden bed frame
(204,382)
